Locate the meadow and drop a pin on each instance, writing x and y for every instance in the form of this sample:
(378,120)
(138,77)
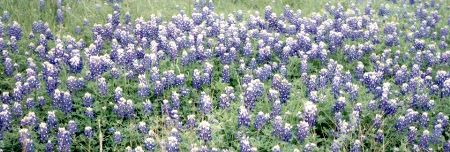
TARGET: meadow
(224,75)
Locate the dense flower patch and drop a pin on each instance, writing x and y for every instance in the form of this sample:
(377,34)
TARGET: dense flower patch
(353,78)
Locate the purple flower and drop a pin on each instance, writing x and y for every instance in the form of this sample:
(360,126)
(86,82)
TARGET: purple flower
(59,16)
(43,132)
(277,127)
(425,140)
(336,146)
(204,131)
(226,74)
(377,122)
(446,147)
(15,31)
(102,86)
(52,121)
(150,144)
(276,108)
(49,146)
(172,144)
(261,120)
(72,127)
(8,66)
(124,108)
(87,100)
(339,105)
(88,132)
(142,128)
(159,88)
(89,113)
(310,113)
(286,135)
(29,120)
(244,145)
(424,120)
(147,107)
(437,133)
(175,99)
(412,133)
(118,94)
(310,147)
(17,110)
(379,136)
(190,122)
(64,140)
(117,137)
(356,146)
(30,103)
(243,117)
(302,131)
(205,103)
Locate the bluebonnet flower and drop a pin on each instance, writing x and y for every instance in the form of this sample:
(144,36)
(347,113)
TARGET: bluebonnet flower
(276,108)
(339,105)
(142,128)
(277,126)
(190,122)
(273,95)
(205,103)
(310,113)
(8,66)
(226,74)
(16,110)
(30,103)
(52,121)
(437,133)
(117,137)
(356,146)
(261,120)
(446,146)
(243,117)
(49,146)
(102,86)
(87,100)
(411,136)
(88,132)
(6,98)
(118,94)
(147,107)
(158,88)
(425,140)
(15,31)
(29,120)
(244,145)
(204,131)
(150,144)
(59,16)
(89,113)
(5,118)
(424,120)
(124,108)
(64,140)
(379,136)
(310,147)
(286,134)
(336,146)
(72,127)
(165,107)
(302,131)
(172,144)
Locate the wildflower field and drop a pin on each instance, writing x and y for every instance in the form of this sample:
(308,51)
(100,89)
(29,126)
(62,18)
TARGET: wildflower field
(224,75)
